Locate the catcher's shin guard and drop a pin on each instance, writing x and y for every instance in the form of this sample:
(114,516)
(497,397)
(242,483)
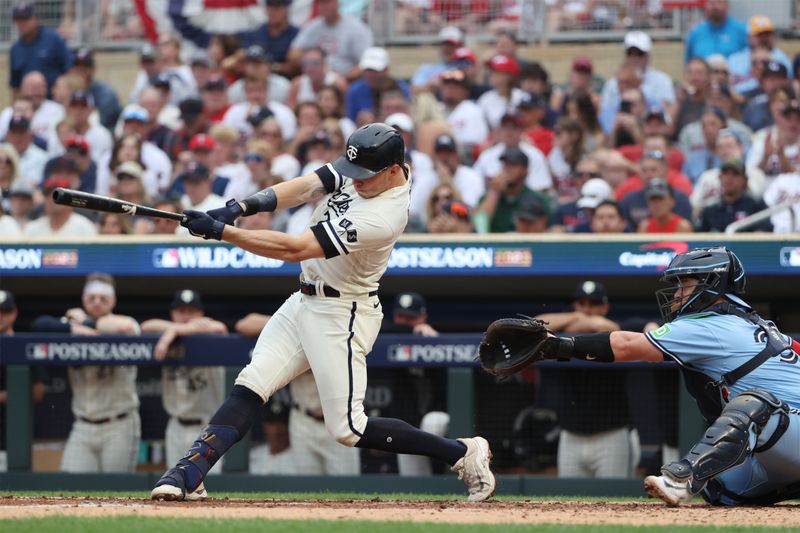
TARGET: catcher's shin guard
(728,441)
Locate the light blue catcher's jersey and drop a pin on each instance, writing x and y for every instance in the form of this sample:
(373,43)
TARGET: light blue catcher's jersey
(718,343)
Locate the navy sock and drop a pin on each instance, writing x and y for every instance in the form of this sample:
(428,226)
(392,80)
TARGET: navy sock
(227,427)
(396,436)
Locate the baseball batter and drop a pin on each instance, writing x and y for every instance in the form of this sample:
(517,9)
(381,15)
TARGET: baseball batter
(741,370)
(190,394)
(331,323)
(106,432)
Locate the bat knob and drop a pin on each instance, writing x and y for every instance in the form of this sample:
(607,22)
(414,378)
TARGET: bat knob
(58,194)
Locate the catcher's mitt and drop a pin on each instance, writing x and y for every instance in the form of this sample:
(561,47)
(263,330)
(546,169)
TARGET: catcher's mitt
(511,344)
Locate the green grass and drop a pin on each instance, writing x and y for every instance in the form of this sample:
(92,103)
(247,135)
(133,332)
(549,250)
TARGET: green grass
(119,524)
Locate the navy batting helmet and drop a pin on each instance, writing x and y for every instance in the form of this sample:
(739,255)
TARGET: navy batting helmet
(718,272)
(369,150)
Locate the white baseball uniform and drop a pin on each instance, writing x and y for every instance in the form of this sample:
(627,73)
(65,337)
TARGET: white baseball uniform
(191,395)
(333,334)
(315,452)
(106,432)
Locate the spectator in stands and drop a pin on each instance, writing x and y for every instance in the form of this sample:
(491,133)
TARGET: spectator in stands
(276,35)
(78,150)
(448,167)
(451,217)
(661,207)
(79,111)
(114,224)
(149,67)
(182,83)
(20,202)
(692,138)
(656,86)
(698,161)
(37,49)
(607,218)
(258,158)
(257,63)
(331,102)
(532,110)
(165,226)
(127,184)
(105,98)
(506,190)
(718,34)
(464,116)
(32,159)
(756,114)
(437,203)
(309,124)
(593,414)
(784,188)
(284,164)
(707,189)
(534,78)
(230,177)
(202,66)
(197,182)
(315,76)
(129,147)
(674,160)
(573,215)
(734,203)
(105,434)
(345,38)
(581,80)
(163,119)
(46,113)
(531,216)
(9,172)
(60,220)
(581,106)
(23,107)
(762,34)
(504,96)
(64,86)
(509,135)
(423,172)
(657,122)
(194,122)
(627,128)
(635,205)
(776,150)
(135,121)
(190,394)
(257,97)
(427,75)
(364,95)
(568,150)
(615,168)
(215,98)
(692,94)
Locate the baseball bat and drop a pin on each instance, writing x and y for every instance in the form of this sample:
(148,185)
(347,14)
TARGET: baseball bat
(96,202)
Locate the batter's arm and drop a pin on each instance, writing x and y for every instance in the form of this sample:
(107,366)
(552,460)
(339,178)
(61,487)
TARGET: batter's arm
(275,244)
(304,189)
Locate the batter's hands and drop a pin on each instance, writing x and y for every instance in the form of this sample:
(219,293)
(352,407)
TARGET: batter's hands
(227,214)
(202,225)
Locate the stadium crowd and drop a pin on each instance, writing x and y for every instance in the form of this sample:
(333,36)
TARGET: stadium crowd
(495,145)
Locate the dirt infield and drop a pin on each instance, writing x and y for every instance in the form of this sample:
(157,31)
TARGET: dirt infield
(493,512)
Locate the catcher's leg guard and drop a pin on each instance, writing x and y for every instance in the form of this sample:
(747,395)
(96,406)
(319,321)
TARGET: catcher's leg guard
(729,439)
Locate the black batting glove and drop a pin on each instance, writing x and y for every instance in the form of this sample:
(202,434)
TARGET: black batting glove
(202,225)
(227,214)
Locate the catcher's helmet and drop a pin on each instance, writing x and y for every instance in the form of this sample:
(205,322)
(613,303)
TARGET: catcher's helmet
(718,272)
(369,150)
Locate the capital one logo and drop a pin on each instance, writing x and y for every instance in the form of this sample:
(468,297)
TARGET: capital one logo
(352,152)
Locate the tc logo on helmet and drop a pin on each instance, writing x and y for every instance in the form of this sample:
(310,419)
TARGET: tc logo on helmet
(352,152)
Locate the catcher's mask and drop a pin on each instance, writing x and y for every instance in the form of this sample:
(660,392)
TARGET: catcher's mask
(718,272)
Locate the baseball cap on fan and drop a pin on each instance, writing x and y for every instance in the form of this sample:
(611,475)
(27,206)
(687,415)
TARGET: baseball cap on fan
(374,58)
(7,302)
(187,298)
(451,34)
(401,121)
(639,40)
(593,192)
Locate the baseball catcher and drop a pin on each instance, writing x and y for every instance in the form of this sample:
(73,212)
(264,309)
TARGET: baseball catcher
(741,370)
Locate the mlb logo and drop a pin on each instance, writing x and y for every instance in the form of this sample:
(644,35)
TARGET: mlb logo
(166,258)
(36,352)
(400,353)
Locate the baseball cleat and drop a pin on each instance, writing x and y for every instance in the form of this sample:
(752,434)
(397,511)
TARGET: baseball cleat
(200,494)
(474,469)
(171,487)
(670,491)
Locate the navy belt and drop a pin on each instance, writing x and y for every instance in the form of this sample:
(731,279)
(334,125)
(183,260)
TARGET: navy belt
(311,290)
(102,420)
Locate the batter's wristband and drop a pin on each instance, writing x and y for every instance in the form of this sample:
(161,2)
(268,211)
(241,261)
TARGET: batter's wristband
(593,347)
(261,201)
